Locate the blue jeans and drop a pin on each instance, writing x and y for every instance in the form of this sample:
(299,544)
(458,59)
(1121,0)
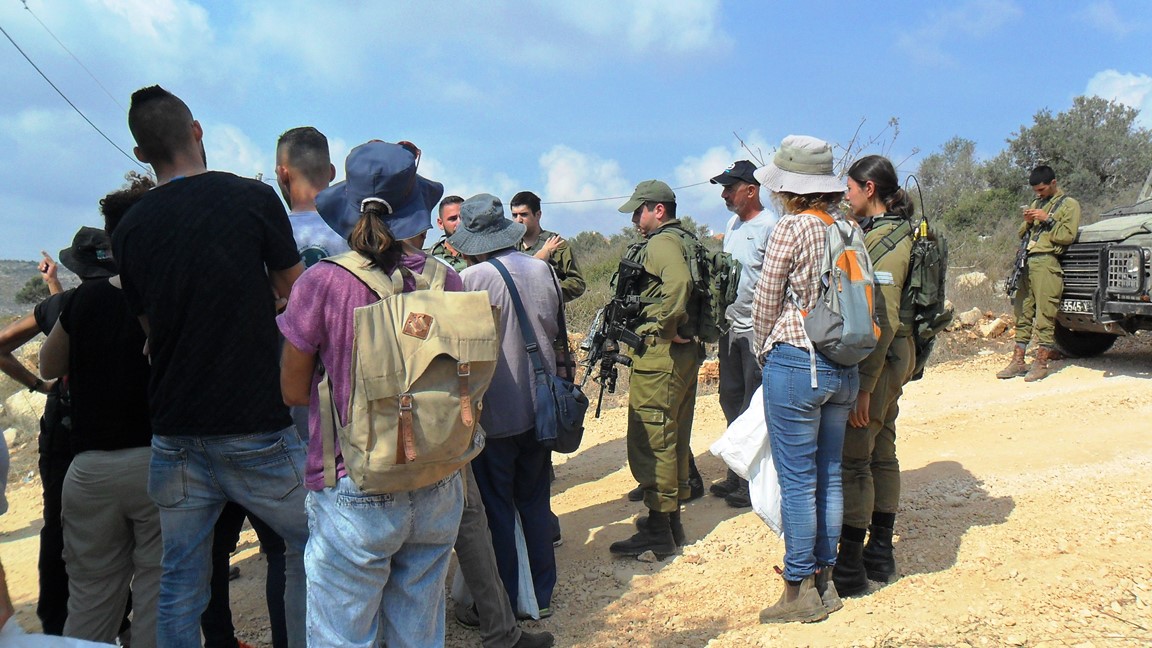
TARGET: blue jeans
(806,430)
(376,564)
(190,479)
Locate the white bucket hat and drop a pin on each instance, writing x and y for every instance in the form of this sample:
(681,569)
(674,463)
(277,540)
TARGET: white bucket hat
(802,165)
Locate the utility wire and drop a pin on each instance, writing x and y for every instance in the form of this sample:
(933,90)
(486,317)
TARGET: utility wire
(65,97)
(588,200)
(74,58)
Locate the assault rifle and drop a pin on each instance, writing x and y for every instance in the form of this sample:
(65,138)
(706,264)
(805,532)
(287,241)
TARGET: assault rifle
(1020,264)
(610,327)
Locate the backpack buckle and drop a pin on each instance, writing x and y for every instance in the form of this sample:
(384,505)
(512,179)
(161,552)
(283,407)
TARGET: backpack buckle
(463,369)
(406,402)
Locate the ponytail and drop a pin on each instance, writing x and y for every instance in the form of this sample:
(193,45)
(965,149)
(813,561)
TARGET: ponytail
(372,237)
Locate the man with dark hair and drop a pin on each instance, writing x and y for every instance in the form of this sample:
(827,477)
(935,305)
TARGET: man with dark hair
(447,219)
(740,372)
(303,169)
(545,245)
(662,393)
(1049,224)
(203,257)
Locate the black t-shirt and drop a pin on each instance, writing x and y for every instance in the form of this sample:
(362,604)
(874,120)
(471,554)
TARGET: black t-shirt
(48,311)
(107,370)
(194,255)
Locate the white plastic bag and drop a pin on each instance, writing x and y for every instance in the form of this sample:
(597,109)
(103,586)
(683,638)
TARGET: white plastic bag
(745,448)
(13,636)
(526,594)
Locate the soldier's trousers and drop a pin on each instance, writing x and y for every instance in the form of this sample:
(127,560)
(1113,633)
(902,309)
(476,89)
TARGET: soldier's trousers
(661,397)
(1038,298)
(870,467)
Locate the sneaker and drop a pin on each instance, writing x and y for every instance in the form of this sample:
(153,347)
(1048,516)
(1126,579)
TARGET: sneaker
(725,486)
(695,489)
(557,540)
(467,616)
(544,614)
(739,498)
(535,640)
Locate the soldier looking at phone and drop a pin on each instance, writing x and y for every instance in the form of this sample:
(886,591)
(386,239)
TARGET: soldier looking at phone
(1048,227)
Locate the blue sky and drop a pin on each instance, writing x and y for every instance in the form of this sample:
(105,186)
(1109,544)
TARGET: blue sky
(573,100)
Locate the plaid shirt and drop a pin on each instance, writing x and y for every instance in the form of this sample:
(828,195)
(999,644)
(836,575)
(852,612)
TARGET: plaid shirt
(791,273)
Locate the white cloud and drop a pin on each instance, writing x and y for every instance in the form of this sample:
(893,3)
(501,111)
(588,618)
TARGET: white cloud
(648,25)
(570,175)
(929,43)
(1132,90)
(229,149)
(1103,16)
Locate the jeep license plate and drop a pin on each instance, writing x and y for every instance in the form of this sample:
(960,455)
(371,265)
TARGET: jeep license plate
(1076,306)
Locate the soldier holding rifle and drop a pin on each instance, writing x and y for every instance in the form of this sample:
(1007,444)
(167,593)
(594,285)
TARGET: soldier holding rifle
(1049,226)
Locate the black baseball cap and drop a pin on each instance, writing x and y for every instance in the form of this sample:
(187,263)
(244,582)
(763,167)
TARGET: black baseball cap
(739,171)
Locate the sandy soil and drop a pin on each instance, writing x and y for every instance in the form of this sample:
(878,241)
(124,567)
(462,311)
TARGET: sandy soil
(1024,522)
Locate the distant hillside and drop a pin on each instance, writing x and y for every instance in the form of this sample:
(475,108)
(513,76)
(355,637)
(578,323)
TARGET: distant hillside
(13,276)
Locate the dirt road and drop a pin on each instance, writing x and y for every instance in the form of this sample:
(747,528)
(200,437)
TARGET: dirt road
(1025,521)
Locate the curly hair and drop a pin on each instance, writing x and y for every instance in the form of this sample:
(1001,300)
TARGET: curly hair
(116,204)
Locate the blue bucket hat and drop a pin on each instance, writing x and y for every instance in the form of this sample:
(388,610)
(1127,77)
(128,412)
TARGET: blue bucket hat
(383,172)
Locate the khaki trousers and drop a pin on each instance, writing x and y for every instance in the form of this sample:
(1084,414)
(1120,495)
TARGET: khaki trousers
(1038,298)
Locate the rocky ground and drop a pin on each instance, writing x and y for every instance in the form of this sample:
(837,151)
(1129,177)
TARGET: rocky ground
(1025,522)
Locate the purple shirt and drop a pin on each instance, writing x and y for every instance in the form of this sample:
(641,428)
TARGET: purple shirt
(319,319)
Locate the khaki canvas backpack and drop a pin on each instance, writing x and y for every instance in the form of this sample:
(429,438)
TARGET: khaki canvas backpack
(421,362)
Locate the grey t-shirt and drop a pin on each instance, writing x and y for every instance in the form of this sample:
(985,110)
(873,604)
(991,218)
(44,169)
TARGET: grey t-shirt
(745,241)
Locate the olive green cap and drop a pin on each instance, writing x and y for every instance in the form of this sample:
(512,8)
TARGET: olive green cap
(648,191)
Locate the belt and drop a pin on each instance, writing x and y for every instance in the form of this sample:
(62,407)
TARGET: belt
(654,340)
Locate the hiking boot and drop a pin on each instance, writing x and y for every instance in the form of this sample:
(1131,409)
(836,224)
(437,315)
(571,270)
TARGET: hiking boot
(849,576)
(799,602)
(1016,367)
(654,535)
(673,521)
(636,494)
(826,588)
(879,562)
(1039,368)
(534,640)
(739,498)
(725,486)
(467,616)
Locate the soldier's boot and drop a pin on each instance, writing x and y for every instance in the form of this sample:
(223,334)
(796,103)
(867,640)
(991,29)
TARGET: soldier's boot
(1016,367)
(826,588)
(673,521)
(849,576)
(636,494)
(654,535)
(741,497)
(729,484)
(695,481)
(1039,368)
(879,561)
(799,602)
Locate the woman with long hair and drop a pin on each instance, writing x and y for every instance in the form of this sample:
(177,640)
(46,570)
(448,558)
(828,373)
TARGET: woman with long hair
(375,563)
(807,397)
(871,469)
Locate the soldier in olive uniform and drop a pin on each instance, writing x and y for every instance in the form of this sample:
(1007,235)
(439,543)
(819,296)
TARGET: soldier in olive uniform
(870,468)
(1050,225)
(447,219)
(545,245)
(662,392)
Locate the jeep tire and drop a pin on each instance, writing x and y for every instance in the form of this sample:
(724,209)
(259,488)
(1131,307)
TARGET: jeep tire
(1082,344)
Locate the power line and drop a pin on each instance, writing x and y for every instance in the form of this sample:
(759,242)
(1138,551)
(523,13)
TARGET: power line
(74,58)
(65,97)
(588,200)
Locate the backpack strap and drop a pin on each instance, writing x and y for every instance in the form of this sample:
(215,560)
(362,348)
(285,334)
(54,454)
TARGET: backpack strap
(889,242)
(530,343)
(373,278)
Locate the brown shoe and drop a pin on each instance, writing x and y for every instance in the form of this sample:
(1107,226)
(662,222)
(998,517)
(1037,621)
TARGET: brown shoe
(1039,368)
(1016,367)
(800,602)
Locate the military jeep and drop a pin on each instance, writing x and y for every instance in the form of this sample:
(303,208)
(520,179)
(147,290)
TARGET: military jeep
(1107,280)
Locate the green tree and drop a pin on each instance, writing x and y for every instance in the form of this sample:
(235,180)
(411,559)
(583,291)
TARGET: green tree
(950,176)
(1095,147)
(33,292)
